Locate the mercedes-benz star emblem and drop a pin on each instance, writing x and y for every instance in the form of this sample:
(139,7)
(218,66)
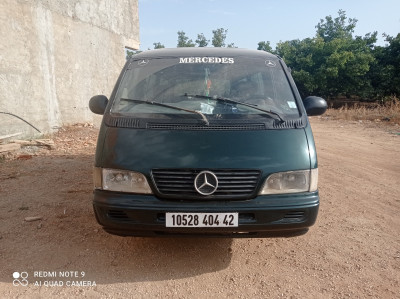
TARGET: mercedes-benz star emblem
(143,62)
(206,183)
(270,63)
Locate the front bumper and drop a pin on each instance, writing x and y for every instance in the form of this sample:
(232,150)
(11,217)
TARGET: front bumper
(264,216)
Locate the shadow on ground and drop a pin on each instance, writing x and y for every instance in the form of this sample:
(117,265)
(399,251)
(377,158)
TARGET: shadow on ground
(67,238)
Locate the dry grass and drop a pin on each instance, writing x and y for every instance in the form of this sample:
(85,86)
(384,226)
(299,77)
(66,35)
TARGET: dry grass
(388,112)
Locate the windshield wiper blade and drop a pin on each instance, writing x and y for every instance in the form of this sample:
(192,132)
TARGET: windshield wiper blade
(169,106)
(228,100)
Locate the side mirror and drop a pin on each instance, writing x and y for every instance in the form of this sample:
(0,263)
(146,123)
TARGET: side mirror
(315,105)
(98,104)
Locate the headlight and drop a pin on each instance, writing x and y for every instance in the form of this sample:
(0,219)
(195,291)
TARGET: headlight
(121,181)
(291,182)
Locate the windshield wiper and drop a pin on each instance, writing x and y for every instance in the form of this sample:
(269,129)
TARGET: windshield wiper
(169,106)
(227,100)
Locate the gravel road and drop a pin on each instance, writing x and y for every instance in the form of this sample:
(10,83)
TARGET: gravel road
(352,251)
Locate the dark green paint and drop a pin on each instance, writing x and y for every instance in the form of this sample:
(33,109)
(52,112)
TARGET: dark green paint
(268,150)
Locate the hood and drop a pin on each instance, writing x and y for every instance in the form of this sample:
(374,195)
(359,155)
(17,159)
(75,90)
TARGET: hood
(143,149)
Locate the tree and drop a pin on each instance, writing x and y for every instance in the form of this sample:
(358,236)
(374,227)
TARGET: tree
(219,36)
(130,53)
(218,40)
(201,40)
(330,29)
(158,45)
(384,74)
(333,63)
(393,62)
(264,46)
(183,40)
(299,56)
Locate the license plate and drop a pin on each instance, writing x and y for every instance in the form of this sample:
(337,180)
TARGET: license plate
(201,220)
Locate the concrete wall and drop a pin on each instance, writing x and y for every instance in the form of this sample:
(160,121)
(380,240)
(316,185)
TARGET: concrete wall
(56,54)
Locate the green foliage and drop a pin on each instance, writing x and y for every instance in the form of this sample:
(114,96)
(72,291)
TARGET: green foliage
(183,40)
(130,53)
(201,40)
(333,63)
(393,62)
(336,63)
(218,39)
(158,45)
(385,71)
(330,29)
(265,46)
(219,36)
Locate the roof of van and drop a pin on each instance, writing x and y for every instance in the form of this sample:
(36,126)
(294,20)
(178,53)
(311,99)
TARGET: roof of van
(203,51)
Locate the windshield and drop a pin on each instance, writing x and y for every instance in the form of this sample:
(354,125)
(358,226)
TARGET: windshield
(199,84)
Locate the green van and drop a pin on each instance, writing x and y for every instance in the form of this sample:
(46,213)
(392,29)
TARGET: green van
(208,142)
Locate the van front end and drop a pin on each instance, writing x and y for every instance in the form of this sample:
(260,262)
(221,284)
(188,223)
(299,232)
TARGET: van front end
(206,142)
(157,182)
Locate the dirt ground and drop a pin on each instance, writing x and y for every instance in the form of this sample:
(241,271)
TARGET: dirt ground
(352,251)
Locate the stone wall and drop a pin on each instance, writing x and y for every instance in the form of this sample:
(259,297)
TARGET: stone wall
(56,54)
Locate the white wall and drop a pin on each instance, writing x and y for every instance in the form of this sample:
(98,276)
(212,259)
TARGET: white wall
(55,55)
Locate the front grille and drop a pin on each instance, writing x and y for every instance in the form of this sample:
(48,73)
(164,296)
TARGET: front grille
(232,184)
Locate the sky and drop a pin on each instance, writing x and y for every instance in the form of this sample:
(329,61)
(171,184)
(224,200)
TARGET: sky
(251,21)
